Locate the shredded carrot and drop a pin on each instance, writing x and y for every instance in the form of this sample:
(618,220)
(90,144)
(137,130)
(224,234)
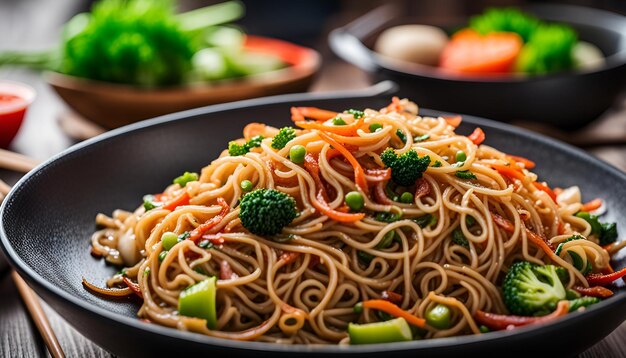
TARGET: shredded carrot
(561,228)
(507,171)
(592,205)
(453,121)
(545,188)
(392,309)
(206,226)
(312,166)
(253,129)
(359,173)
(477,136)
(528,164)
(289,257)
(595,291)
(133,286)
(503,223)
(182,199)
(499,321)
(347,130)
(539,241)
(315,113)
(394,106)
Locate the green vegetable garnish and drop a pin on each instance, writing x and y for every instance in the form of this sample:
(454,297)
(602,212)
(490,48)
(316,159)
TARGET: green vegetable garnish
(338,121)
(437,164)
(355,200)
(406,198)
(364,257)
(465,174)
(405,168)
(395,330)
(388,217)
(460,156)
(401,135)
(168,240)
(356,113)
(297,153)
(246,185)
(459,239)
(162,255)
(426,220)
(199,301)
(148,203)
(421,138)
(235,149)
(387,240)
(549,49)
(605,232)
(439,317)
(284,136)
(586,301)
(185,178)
(267,211)
(505,20)
(375,127)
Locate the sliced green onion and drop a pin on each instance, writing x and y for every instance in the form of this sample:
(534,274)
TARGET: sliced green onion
(338,121)
(375,127)
(199,301)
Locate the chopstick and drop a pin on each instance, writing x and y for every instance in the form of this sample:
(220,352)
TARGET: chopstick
(17,162)
(39,316)
(28,295)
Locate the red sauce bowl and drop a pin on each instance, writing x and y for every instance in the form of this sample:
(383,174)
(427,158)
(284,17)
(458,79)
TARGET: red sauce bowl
(14,100)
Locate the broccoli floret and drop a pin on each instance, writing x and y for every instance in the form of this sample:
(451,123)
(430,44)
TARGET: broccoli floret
(185,178)
(406,168)
(505,20)
(267,211)
(283,137)
(549,49)
(235,149)
(529,289)
(585,301)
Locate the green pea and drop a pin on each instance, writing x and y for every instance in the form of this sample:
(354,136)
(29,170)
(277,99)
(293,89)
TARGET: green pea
(355,200)
(460,156)
(246,185)
(169,239)
(358,308)
(297,153)
(375,127)
(484,329)
(406,198)
(338,121)
(162,255)
(439,317)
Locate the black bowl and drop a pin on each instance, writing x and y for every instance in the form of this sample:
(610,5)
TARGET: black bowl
(568,99)
(49,216)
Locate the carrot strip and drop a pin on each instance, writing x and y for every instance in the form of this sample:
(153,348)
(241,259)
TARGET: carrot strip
(477,136)
(253,129)
(392,309)
(503,223)
(316,113)
(359,173)
(182,199)
(133,286)
(595,291)
(541,242)
(453,121)
(500,321)
(545,188)
(602,280)
(394,106)
(321,204)
(207,225)
(592,205)
(289,257)
(528,164)
(508,172)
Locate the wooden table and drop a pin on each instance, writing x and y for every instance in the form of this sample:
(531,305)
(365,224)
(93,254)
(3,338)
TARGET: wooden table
(41,137)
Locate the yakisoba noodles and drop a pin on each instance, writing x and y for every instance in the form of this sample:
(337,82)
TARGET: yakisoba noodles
(361,217)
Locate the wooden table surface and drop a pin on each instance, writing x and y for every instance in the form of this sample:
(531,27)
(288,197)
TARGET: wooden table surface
(41,137)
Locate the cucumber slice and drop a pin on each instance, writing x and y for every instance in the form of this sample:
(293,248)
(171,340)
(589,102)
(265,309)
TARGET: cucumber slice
(395,330)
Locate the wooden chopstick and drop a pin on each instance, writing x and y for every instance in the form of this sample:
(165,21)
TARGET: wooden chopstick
(38,315)
(17,162)
(32,303)
(4,189)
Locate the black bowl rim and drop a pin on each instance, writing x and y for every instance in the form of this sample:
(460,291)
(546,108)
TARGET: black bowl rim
(421,345)
(612,61)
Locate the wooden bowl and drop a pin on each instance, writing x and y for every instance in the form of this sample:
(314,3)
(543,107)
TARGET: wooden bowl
(112,105)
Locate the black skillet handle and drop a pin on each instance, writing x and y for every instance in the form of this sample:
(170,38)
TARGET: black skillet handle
(347,41)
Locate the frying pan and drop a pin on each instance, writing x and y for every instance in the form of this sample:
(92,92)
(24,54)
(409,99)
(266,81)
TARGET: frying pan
(48,218)
(567,100)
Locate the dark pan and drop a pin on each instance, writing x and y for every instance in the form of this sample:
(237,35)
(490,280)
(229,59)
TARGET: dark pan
(566,100)
(48,218)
